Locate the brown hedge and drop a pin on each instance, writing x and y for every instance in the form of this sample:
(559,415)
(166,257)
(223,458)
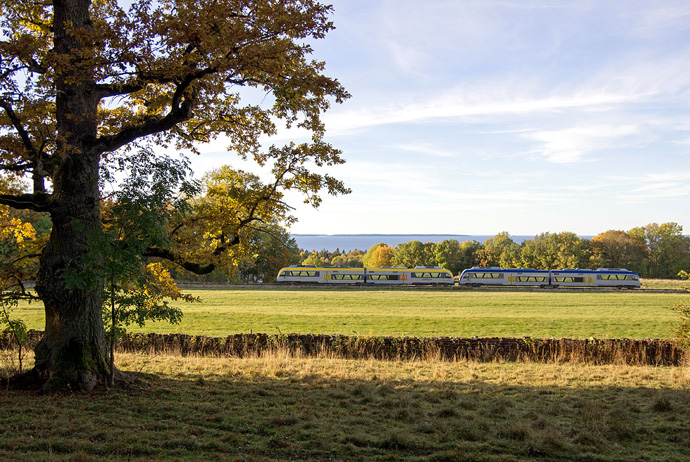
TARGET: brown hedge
(591,351)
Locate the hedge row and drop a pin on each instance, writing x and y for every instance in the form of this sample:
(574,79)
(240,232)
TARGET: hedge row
(590,351)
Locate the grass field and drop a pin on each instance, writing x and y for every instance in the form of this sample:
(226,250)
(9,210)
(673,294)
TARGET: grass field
(276,407)
(279,407)
(429,313)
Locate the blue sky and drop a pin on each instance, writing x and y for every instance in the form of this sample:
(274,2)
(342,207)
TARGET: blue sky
(476,117)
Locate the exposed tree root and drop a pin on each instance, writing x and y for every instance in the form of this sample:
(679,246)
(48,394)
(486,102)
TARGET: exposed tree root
(34,381)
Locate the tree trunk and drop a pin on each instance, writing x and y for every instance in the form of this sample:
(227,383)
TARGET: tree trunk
(73,352)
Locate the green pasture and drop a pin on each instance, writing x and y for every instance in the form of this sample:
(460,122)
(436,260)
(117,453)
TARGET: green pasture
(428,313)
(277,408)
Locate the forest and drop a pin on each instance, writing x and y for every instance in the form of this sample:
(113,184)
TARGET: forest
(657,251)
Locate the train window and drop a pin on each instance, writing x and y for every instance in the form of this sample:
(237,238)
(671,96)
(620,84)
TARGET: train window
(613,277)
(569,279)
(486,275)
(384,277)
(531,279)
(423,275)
(347,277)
(466,276)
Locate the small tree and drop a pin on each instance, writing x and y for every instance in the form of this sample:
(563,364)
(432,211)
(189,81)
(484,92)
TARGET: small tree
(313,259)
(15,327)
(141,300)
(683,327)
(379,255)
(19,247)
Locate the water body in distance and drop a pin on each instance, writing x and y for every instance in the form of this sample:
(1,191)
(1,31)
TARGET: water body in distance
(349,242)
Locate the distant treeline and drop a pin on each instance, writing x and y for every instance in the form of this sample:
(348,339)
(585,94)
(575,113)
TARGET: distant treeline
(653,251)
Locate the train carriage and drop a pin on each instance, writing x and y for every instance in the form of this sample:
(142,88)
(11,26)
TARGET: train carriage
(387,275)
(435,275)
(494,276)
(602,277)
(298,274)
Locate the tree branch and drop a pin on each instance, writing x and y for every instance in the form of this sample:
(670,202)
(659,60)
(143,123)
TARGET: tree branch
(38,202)
(150,127)
(18,167)
(170,256)
(23,134)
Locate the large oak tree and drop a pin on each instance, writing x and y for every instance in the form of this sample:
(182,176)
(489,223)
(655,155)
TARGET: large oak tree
(85,82)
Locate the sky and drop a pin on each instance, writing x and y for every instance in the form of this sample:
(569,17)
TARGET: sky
(525,116)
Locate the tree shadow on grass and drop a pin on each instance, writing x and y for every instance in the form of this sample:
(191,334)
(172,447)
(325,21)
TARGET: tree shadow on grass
(294,416)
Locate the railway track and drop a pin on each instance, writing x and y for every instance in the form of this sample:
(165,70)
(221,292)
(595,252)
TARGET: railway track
(431,287)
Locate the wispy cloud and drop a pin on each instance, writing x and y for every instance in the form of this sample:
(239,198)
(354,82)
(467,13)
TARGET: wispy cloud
(648,187)
(572,144)
(426,150)
(458,104)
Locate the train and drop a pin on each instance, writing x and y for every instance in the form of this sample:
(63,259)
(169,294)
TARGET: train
(473,277)
(603,277)
(426,275)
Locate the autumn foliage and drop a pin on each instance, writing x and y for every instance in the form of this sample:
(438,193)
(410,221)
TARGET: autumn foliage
(87,86)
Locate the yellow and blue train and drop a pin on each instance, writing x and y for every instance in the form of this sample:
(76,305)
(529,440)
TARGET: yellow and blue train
(427,275)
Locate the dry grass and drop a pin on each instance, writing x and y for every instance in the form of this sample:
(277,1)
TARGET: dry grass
(278,406)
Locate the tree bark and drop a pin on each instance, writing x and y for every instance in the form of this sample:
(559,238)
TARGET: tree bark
(73,351)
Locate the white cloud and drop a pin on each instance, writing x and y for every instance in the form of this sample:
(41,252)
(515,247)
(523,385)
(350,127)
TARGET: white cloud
(572,144)
(459,104)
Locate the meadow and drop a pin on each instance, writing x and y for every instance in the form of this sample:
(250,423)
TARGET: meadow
(277,407)
(417,312)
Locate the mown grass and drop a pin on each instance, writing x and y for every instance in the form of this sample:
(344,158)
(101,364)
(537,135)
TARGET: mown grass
(665,283)
(428,313)
(277,407)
